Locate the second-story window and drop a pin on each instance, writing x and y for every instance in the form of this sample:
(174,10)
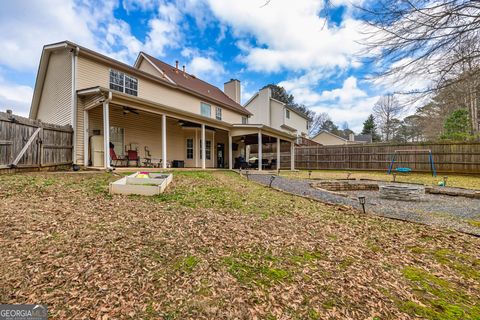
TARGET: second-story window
(218,113)
(244,120)
(205,109)
(122,82)
(287,113)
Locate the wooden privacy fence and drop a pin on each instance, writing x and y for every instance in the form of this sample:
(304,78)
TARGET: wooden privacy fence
(448,157)
(26,143)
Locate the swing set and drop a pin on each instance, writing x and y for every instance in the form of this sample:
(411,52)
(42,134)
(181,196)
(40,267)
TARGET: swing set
(406,169)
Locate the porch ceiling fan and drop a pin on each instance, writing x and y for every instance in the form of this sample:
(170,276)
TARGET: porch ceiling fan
(127,110)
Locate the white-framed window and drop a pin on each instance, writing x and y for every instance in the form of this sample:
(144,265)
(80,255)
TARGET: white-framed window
(205,109)
(218,113)
(208,149)
(244,120)
(122,82)
(287,113)
(190,148)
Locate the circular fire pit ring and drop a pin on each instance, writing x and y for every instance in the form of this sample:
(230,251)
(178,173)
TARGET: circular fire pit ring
(402,192)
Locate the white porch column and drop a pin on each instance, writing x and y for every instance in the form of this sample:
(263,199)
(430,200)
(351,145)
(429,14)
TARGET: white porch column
(230,156)
(204,152)
(164,141)
(259,150)
(106,135)
(86,139)
(278,154)
(292,155)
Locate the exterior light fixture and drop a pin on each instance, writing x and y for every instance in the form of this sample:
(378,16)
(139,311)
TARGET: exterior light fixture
(445,178)
(361,199)
(271,181)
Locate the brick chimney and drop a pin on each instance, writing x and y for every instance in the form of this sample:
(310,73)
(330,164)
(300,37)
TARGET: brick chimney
(232,90)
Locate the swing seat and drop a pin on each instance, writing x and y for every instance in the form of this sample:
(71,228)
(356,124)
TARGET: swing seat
(403,170)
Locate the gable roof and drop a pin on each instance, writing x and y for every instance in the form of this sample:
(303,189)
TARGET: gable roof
(48,49)
(191,82)
(327,132)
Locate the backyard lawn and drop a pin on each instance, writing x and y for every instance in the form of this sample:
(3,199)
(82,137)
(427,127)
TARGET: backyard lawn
(453,180)
(217,246)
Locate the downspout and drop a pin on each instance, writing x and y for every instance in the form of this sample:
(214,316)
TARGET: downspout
(74,52)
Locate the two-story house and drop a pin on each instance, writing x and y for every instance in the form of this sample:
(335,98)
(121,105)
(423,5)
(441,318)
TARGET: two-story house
(159,110)
(276,114)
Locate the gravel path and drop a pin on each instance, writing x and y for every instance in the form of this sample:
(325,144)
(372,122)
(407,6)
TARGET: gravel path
(455,213)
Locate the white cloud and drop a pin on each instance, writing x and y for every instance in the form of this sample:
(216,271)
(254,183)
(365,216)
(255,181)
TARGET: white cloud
(289,34)
(204,67)
(15,97)
(25,26)
(354,112)
(346,103)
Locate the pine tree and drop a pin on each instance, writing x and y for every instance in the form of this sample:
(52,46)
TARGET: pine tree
(369,127)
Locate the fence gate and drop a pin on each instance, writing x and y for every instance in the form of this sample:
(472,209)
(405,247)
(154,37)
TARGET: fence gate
(26,143)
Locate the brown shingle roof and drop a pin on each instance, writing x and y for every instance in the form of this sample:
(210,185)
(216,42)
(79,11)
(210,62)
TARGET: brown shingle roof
(191,82)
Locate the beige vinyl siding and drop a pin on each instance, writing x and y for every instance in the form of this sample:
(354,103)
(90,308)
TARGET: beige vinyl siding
(149,68)
(91,73)
(277,114)
(81,130)
(145,129)
(297,122)
(328,139)
(260,107)
(55,104)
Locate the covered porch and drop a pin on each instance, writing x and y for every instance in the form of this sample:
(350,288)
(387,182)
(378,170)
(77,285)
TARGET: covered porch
(138,133)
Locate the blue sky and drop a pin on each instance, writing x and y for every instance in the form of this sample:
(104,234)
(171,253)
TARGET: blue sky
(284,42)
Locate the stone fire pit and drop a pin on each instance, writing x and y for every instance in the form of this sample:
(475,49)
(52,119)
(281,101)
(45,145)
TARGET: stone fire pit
(402,192)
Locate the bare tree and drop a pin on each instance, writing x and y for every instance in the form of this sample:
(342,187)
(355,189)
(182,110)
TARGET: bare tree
(386,111)
(438,40)
(317,122)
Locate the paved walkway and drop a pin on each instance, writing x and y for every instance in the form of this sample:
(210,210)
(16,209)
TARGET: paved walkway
(455,213)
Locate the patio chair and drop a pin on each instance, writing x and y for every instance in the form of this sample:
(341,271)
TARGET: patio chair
(115,160)
(265,164)
(132,155)
(273,164)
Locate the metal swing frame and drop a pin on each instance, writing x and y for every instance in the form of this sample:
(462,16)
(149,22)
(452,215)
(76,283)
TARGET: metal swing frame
(430,157)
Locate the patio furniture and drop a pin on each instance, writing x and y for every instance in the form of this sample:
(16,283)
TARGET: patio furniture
(266,164)
(115,160)
(273,164)
(178,164)
(132,156)
(240,163)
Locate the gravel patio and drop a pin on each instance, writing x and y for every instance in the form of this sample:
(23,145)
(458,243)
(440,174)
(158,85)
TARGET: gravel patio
(456,213)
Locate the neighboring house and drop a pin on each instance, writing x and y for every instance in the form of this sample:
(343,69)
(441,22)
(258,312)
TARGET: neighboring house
(276,114)
(157,109)
(329,139)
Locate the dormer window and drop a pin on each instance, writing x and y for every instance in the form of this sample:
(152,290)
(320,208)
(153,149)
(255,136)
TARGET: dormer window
(122,82)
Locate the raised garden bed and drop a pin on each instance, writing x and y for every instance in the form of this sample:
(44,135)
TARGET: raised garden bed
(145,184)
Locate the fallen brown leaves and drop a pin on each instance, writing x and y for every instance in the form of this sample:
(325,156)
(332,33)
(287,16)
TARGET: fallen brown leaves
(215,246)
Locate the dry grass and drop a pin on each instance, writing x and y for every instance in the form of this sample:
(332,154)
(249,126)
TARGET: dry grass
(218,246)
(454,180)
